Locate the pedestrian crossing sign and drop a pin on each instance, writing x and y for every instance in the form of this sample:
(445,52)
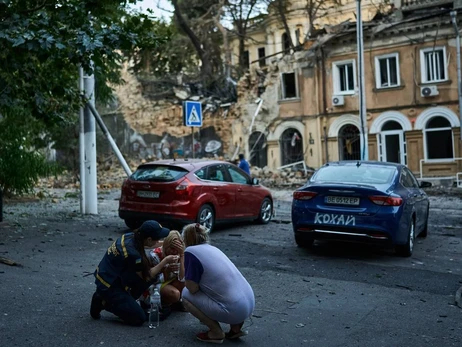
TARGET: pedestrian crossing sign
(192,114)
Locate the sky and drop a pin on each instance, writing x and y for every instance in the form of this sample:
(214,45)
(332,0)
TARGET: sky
(156,6)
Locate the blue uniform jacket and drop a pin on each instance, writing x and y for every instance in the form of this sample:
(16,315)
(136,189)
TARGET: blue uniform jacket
(120,265)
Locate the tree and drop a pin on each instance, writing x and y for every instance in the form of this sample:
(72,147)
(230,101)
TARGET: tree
(242,14)
(42,43)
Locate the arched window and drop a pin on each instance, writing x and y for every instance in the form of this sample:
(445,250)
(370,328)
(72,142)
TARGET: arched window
(391,125)
(438,138)
(349,143)
(291,146)
(257,149)
(285,42)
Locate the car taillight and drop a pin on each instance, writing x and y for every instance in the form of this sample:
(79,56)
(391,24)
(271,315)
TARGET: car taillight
(386,200)
(184,188)
(301,195)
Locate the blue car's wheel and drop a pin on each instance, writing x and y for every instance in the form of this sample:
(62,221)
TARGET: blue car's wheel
(406,249)
(424,232)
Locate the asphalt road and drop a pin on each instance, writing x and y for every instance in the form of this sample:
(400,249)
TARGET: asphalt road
(332,295)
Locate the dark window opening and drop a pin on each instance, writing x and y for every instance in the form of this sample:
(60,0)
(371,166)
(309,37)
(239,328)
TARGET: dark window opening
(261,57)
(285,42)
(246,59)
(346,77)
(289,86)
(291,147)
(349,143)
(391,125)
(439,139)
(257,150)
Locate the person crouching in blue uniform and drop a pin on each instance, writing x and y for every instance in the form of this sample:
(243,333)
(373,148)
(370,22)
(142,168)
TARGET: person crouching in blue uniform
(125,273)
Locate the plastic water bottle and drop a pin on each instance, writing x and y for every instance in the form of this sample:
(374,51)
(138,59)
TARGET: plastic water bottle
(154,301)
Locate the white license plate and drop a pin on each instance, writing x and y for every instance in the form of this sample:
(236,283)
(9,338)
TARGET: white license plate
(147,194)
(342,200)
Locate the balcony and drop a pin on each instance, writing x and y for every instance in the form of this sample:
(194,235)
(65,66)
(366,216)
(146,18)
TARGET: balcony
(412,5)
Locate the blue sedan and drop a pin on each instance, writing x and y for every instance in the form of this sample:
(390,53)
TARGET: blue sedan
(362,201)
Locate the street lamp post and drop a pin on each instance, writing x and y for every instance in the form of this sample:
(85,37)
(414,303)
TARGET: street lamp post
(361,90)
(459,78)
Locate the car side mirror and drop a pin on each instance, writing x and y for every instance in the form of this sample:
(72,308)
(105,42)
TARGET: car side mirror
(255,181)
(425,184)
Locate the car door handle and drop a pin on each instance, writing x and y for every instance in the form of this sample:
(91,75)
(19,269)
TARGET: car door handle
(215,188)
(239,190)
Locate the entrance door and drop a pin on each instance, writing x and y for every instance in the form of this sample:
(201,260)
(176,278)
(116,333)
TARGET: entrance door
(393,147)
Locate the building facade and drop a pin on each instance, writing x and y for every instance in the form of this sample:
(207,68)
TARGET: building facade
(411,88)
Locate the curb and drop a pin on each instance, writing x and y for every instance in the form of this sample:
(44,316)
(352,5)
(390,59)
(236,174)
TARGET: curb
(458,297)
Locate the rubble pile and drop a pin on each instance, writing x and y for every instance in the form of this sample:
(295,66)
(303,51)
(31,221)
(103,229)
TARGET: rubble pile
(111,176)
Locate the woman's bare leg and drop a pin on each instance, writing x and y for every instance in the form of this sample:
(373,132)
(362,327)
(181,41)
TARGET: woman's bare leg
(235,328)
(215,329)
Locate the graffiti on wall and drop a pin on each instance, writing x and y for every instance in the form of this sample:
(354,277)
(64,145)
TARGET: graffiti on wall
(206,144)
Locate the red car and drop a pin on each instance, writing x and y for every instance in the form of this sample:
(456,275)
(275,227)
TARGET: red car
(182,191)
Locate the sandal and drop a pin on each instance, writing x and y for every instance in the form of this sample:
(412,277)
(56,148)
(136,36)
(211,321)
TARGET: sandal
(231,335)
(204,337)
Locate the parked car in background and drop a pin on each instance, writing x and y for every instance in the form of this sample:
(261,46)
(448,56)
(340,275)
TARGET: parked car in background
(182,191)
(361,201)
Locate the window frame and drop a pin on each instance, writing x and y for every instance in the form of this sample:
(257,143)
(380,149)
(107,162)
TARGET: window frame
(336,77)
(378,70)
(297,91)
(423,66)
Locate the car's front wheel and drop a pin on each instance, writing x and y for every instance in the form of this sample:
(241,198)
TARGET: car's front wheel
(206,217)
(406,249)
(133,223)
(266,211)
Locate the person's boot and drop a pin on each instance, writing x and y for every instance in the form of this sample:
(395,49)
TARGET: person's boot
(96,306)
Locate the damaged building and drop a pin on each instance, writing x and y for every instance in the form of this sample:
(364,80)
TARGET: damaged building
(411,94)
(301,106)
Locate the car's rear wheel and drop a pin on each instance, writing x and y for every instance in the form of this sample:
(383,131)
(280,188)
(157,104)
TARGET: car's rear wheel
(266,211)
(424,232)
(304,242)
(406,249)
(133,223)
(206,217)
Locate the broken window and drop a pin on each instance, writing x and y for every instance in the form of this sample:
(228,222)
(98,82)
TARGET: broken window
(387,71)
(344,74)
(285,42)
(257,149)
(289,85)
(246,59)
(349,143)
(433,64)
(438,139)
(261,57)
(291,147)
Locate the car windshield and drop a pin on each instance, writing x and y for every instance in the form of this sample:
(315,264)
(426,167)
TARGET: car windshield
(158,173)
(355,174)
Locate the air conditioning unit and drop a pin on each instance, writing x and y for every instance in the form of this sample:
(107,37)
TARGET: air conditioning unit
(338,100)
(429,91)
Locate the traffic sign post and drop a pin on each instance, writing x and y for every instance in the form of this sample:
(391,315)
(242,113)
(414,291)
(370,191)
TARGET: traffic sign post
(192,117)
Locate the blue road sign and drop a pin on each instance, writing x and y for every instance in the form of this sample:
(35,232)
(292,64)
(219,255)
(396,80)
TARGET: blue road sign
(192,114)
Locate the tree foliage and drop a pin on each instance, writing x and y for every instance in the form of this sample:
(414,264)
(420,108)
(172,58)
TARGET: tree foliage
(42,44)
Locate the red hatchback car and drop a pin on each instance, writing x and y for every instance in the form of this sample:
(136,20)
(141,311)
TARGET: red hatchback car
(182,191)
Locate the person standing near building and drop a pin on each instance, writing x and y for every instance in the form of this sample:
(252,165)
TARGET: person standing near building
(244,164)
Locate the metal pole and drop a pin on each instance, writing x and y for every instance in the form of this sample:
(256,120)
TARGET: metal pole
(82,146)
(459,74)
(361,82)
(192,137)
(91,194)
(105,131)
